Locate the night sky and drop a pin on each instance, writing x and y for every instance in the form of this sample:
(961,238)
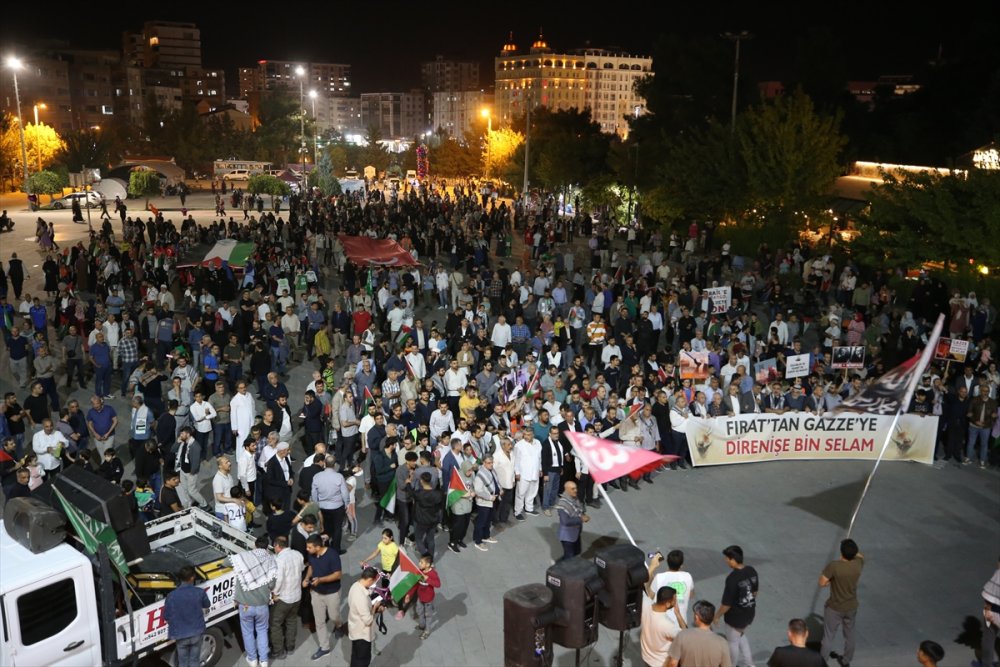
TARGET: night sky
(386,41)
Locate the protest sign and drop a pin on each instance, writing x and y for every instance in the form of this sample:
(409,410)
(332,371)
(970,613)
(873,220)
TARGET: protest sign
(801,436)
(797,366)
(694,365)
(951,349)
(848,356)
(722,298)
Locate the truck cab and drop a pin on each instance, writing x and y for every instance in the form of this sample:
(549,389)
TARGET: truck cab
(48,604)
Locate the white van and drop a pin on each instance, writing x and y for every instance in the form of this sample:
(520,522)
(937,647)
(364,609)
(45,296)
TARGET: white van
(411,176)
(237,175)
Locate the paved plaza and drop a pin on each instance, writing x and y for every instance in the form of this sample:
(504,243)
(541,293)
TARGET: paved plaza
(930,534)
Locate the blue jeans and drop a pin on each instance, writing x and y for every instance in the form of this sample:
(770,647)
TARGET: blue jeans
(220,438)
(255,619)
(127,368)
(983,436)
(189,651)
(102,380)
(551,494)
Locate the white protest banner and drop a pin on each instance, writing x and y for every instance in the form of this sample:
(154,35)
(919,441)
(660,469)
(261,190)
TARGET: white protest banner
(282,287)
(797,366)
(802,436)
(722,298)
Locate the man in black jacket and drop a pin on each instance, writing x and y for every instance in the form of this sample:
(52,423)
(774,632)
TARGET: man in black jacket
(427,503)
(279,478)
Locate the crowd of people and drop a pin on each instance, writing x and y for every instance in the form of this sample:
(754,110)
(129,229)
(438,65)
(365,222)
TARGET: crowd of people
(442,392)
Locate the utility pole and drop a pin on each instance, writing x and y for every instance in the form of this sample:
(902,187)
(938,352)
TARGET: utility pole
(736,37)
(527,150)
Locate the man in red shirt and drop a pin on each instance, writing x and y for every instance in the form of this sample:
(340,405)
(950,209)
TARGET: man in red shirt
(362,318)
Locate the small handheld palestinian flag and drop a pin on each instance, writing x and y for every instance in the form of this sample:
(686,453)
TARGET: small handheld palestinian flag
(368,399)
(403,335)
(456,487)
(403,578)
(388,501)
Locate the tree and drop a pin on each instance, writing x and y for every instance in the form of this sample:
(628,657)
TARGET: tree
(501,146)
(87,148)
(45,183)
(451,158)
(43,144)
(373,153)
(277,137)
(791,155)
(323,177)
(929,217)
(265,184)
(10,149)
(143,184)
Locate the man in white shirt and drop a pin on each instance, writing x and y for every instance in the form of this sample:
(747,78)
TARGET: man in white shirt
(527,471)
(48,444)
(441,421)
(222,484)
(455,379)
(202,413)
(286,597)
(417,363)
(242,411)
(611,349)
(661,618)
(501,334)
(782,328)
(680,581)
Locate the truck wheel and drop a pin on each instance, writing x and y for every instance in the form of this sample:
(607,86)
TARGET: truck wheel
(212,644)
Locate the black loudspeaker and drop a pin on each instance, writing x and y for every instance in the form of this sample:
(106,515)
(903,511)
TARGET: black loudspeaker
(96,497)
(574,584)
(134,542)
(623,569)
(33,524)
(527,639)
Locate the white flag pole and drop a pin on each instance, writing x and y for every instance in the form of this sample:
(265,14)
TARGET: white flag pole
(614,510)
(925,359)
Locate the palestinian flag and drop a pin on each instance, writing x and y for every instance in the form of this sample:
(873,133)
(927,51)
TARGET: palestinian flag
(662,374)
(529,392)
(456,487)
(367,400)
(388,502)
(409,370)
(235,253)
(404,577)
(403,335)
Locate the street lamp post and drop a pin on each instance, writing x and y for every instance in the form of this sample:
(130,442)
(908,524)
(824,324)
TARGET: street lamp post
(38,144)
(300,73)
(312,96)
(15,64)
(527,150)
(736,37)
(489,136)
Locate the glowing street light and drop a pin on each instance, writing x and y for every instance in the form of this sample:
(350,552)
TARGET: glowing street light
(300,72)
(38,137)
(15,64)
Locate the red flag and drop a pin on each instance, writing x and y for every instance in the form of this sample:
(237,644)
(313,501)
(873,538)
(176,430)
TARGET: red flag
(892,392)
(4,456)
(662,374)
(609,460)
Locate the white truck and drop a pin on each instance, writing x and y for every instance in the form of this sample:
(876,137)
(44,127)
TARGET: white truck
(67,608)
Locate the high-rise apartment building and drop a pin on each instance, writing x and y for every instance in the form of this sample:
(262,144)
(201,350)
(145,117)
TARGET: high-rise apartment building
(441,75)
(458,112)
(395,115)
(71,88)
(163,63)
(330,81)
(601,80)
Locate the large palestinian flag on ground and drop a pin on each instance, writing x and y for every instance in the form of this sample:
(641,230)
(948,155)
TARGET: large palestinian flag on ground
(229,250)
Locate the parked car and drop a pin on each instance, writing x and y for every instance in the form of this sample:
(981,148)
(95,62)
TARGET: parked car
(90,199)
(237,175)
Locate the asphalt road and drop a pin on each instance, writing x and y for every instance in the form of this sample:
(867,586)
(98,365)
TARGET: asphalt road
(931,536)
